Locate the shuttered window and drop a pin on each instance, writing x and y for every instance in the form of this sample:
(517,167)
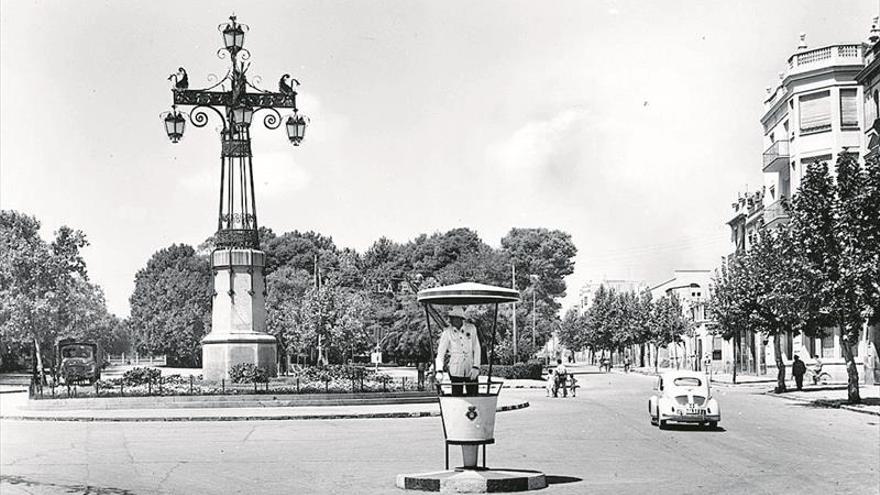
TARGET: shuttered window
(815,110)
(849,108)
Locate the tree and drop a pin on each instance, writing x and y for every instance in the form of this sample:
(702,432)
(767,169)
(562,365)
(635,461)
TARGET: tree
(38,281)
(549,254)
(171,304)
(825,236)
(670,322)
(287,287)
(732,301)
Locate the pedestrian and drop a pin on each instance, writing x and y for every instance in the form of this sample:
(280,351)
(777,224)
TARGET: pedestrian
(574,386)
(561,374)
(461,341)
(626,364)
(551,382)
(707,364)
(798,369)
(420,375)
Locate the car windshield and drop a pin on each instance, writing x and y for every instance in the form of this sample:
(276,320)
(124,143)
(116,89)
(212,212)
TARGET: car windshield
(76,351)
(687,381)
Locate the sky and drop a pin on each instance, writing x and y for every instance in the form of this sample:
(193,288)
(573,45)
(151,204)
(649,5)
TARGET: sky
(630,125)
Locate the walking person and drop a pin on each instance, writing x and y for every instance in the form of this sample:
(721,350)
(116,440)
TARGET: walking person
(561,374)
(551,382)
(798,369)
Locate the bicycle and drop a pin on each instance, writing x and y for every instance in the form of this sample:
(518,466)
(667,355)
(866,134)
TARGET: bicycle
(820,377)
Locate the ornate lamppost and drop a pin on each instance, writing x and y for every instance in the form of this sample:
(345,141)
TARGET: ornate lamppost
(238,323)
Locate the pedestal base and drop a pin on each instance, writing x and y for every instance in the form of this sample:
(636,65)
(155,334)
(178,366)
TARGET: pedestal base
(473,481)
(221,353)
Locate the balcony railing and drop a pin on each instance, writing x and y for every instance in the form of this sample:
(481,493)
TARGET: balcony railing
(827,55)
(777,154)
(775,213)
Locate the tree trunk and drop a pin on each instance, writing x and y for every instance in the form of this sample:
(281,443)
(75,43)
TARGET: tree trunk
(735,341)
(38,355)
(780,364)
(852,373)
(656,358)
(641,355)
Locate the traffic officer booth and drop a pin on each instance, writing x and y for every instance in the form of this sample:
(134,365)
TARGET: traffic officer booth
(467,409)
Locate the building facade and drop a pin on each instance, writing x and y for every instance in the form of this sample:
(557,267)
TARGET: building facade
(826,102)
(692,287)
(589,289)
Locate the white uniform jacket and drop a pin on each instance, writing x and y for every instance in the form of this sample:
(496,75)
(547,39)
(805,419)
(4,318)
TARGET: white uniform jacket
(463,347)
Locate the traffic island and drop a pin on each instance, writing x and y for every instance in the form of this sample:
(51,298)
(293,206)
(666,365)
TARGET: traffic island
(473,481)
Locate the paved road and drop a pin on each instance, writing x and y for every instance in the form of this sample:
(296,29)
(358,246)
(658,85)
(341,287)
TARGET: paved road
(600,442)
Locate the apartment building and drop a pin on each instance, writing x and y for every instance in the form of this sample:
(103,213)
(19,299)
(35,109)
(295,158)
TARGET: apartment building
(826,101)
(589,289)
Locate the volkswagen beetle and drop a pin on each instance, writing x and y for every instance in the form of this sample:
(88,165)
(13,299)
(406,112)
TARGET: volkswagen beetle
(683,397)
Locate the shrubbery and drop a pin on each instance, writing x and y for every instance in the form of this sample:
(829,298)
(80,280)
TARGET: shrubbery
(331,372)
(248,373)
(531,370)
(141,376)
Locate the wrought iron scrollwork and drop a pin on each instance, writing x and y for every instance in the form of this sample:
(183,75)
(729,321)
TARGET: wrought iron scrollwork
(272,120)
(237,238)
(199,116)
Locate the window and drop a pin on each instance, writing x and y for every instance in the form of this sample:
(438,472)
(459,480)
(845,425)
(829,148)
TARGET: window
(828,344)
(815,112)
(687,381)
(876,104)
(849,108)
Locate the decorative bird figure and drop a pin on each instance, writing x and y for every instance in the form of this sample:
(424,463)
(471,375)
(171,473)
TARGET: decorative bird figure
(284,87)
(181,81)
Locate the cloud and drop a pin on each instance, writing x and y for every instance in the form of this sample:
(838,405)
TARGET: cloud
(534,146)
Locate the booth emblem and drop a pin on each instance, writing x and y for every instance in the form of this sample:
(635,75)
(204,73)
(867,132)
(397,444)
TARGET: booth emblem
(471,413)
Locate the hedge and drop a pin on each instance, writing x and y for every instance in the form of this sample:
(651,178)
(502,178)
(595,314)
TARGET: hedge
(531,370)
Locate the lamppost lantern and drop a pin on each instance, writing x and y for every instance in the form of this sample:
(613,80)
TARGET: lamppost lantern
(296,128)
(233,35)
(242,116)
(175,124)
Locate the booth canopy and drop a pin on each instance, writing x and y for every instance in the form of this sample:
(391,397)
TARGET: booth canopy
(468,293)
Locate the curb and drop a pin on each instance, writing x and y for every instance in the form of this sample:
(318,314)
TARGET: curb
(823,403)
(18,391)
(290,417)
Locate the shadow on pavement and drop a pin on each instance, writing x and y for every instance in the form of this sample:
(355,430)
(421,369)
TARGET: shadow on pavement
(553,479)
(836,403)
(694,428)
(40,486)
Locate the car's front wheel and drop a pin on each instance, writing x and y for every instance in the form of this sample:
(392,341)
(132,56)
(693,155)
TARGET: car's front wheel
(662,424)
(713,424)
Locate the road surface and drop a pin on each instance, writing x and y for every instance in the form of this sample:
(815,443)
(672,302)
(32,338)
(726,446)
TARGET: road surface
(599,442)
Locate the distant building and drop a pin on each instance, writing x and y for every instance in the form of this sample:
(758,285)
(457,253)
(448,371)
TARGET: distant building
(692,287)
(588,291)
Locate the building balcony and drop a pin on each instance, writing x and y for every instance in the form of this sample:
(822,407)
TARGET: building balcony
(827,56)
(776,156)
(775,215)
(816,59)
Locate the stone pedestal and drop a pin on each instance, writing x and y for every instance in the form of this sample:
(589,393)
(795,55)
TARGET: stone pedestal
(238,322)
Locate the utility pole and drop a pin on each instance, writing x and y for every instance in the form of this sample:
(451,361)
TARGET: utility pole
(513,286)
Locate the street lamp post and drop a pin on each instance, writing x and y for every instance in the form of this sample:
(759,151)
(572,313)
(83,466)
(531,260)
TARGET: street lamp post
(534,279)
(238,323)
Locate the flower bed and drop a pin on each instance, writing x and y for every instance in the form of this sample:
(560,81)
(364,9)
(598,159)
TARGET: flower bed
(312,380)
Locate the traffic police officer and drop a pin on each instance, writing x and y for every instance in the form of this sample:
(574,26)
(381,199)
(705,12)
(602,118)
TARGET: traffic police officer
(461,341)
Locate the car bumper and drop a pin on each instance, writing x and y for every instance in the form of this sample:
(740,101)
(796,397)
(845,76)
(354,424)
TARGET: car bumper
(689,418)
